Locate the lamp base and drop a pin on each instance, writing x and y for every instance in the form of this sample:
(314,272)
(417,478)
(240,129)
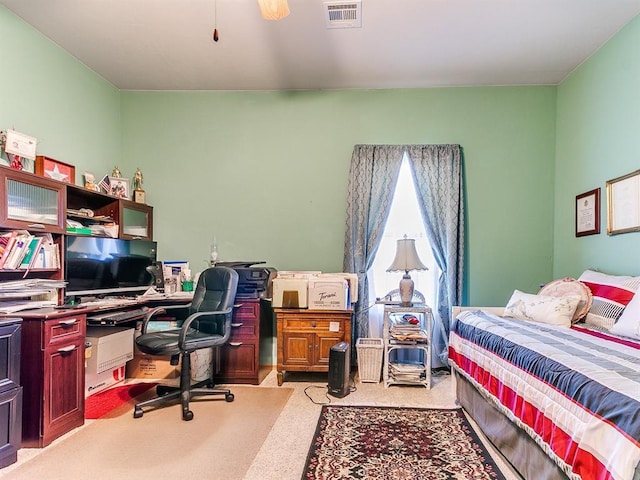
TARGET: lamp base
(406,290)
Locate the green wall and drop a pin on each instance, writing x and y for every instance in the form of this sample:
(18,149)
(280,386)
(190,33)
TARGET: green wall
(49,95)
(266,173)
(598,139)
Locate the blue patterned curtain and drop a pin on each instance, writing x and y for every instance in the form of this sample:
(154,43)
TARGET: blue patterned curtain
(372,181)
(437,173)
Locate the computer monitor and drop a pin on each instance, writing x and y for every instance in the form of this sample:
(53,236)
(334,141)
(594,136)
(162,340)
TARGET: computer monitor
(103,266)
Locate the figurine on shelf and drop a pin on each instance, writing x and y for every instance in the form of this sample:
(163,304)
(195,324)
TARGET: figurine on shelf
(138,192)
(115,173)
(90,182)
(138,179)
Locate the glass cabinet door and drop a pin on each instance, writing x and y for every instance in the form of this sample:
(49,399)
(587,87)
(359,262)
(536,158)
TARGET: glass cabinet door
(136,220)
(31,202)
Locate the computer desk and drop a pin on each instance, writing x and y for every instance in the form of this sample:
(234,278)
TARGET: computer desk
(52,364)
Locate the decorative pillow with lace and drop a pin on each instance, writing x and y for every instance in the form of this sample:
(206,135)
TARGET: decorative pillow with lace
(542,308)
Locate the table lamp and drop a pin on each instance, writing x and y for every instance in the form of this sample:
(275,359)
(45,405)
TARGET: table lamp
(406,259)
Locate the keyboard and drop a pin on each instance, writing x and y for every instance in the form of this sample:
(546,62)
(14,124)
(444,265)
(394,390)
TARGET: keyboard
(114,318)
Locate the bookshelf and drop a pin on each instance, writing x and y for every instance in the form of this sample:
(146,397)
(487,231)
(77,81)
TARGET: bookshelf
(33,224)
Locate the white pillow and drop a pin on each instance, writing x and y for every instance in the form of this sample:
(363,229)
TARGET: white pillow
(628,325)
(541,308)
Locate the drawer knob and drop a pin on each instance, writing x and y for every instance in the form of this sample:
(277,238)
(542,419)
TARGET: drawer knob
(235,344)
(68,323)
(313,324)
(236,325)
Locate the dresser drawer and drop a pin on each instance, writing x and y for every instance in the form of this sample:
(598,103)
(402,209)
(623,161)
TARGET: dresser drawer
(64,330)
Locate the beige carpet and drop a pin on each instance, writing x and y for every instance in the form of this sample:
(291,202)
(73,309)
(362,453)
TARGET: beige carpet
(220,442)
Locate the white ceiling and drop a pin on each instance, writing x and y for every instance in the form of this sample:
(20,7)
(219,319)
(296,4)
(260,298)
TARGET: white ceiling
(167,44)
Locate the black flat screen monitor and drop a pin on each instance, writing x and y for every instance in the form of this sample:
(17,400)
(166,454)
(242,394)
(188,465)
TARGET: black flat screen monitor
(103,266)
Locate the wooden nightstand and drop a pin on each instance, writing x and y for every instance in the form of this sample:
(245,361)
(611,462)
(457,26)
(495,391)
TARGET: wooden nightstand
(305,338)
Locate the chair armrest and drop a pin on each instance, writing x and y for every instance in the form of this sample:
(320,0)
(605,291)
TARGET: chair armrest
(158,310)
(194,316)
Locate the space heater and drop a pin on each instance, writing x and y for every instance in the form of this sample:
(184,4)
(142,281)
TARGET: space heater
(339,367)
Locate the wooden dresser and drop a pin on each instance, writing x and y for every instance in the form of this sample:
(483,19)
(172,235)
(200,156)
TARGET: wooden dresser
(305,338)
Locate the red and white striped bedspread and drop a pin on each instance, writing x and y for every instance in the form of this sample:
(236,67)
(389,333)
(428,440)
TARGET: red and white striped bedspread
(575,391)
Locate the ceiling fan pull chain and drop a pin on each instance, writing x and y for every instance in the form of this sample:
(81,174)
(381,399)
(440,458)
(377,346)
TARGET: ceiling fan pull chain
(215,21)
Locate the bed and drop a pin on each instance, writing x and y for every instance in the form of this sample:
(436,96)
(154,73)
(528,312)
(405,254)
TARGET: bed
(558,402)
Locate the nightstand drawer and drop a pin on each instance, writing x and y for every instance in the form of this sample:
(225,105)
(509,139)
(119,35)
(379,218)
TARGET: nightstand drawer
(314,325)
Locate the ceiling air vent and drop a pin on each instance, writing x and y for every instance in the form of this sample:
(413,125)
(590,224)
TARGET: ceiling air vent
(343,14)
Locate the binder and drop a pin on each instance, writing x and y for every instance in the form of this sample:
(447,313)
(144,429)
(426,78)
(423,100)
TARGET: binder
(6,245)
(18,251)
(32,253)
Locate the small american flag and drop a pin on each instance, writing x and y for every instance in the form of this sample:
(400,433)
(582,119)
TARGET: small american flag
(105,183)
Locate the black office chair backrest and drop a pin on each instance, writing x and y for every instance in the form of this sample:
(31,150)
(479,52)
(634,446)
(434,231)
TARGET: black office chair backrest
(216,290)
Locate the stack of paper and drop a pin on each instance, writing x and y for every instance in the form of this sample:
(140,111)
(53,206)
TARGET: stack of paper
(407,372)
(20,305)
(405,329)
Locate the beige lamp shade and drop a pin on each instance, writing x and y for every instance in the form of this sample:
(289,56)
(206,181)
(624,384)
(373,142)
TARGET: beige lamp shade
(274,9)
(406,257)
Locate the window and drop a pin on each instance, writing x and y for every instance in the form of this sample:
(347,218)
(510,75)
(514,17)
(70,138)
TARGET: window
(404,218)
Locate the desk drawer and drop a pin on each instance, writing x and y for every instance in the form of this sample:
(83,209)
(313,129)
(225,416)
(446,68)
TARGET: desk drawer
(244,328)
(66,329)
(248,309)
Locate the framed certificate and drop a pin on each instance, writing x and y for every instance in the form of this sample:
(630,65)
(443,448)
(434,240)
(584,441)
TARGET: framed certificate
(623,204)
(588,213)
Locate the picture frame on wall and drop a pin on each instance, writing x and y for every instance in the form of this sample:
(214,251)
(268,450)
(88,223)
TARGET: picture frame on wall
(119,187)
(588,213)
(51,168)
(623,204)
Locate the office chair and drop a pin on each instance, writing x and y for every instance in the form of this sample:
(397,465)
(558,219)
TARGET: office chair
(207,325)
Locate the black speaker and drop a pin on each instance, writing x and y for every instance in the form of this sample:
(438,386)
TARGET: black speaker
(158,277)
(339,367)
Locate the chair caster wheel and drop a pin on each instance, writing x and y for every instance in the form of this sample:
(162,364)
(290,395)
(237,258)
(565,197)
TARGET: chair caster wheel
(137,412)
(229,397)
(188,415)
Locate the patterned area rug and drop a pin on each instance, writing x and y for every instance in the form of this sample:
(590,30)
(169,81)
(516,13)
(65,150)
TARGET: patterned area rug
(400,443)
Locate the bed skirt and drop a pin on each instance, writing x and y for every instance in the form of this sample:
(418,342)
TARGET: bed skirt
(514,444)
